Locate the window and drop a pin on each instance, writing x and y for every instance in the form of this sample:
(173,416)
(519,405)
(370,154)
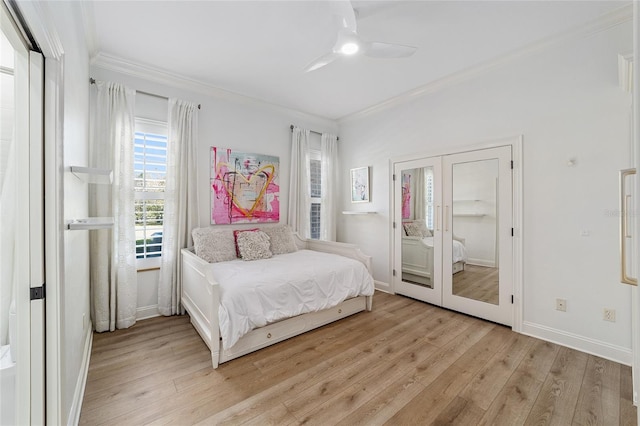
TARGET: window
(315,180)
(428,187)
(150,170)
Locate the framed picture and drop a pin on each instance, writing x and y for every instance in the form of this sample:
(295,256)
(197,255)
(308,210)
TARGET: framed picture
(360,185)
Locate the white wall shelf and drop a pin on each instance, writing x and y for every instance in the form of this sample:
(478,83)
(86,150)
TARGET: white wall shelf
(93,174)
(357,212)
(91,223)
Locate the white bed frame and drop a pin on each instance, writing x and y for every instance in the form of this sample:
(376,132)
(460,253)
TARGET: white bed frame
(417,259)
(201,299)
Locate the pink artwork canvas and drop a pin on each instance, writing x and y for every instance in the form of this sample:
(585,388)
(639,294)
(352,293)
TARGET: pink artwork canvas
(406,196)
(244,187)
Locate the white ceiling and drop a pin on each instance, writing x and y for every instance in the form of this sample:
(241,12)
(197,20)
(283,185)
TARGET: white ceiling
(259,48)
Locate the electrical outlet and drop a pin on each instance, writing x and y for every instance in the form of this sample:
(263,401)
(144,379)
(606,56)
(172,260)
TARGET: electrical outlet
(609,315)
(561,305)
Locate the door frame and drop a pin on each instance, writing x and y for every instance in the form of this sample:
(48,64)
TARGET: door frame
(516,144)
(36,18)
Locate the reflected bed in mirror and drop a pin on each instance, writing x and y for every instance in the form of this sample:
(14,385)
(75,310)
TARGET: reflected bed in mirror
(417,253)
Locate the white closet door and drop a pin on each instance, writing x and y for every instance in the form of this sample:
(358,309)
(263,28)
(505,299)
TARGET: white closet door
(476,238)
(418,209)
(21,250)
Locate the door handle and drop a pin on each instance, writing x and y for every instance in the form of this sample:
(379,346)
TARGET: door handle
(624,227)
(446,218)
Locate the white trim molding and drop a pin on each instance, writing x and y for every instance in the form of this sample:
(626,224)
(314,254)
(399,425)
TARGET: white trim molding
(157,75)
(605,350)
(146,312)
(78,394)
(382,286)
(608,20)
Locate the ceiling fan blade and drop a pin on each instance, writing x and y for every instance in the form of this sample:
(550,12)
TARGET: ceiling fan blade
(321,61)
(377,49)
(344,11)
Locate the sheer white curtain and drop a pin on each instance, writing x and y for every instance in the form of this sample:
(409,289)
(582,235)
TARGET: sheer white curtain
(299,196)
(113,251)
(180,202)
(329,160)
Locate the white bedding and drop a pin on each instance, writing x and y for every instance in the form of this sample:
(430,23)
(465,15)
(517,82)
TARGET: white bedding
(255,293)
(459,251)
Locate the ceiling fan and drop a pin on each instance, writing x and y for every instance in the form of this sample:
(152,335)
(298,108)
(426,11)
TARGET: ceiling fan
(348,42)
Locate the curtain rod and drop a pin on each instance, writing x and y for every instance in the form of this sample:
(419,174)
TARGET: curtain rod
(93,81)
(312,131)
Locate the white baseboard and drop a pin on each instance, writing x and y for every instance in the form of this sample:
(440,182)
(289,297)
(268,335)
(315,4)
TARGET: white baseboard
(78,394)
(382,286)
(608,351)
(482,262)
(145,312)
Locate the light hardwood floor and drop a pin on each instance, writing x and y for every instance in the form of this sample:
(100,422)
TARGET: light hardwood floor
(404,363)
(478,283)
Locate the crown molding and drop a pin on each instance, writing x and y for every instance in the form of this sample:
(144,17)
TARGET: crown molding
(161,76)
(604,22)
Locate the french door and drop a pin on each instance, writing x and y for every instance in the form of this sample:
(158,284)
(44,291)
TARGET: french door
(453,231)
(21,245)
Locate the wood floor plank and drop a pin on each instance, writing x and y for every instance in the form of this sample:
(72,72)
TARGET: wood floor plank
(599,398)
(459,412)
(513,403)
(441,391)
(406,362)
(627,409)
(515,399)
(556,402)
(492,377)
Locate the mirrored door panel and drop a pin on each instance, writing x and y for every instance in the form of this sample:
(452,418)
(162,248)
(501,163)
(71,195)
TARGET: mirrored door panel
(474,225)
(477,233)
(418,212)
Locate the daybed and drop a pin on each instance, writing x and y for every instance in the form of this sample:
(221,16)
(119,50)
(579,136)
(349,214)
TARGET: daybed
(240,306)
(417,253)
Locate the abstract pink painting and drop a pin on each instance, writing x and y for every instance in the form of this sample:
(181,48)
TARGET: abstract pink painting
(244,187)
(406,196)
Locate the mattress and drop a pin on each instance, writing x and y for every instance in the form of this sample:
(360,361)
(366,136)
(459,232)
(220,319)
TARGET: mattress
(256,293)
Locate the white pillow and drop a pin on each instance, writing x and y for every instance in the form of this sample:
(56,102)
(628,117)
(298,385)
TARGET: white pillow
(214,245)
(417,229)
(254,245)
(282,240)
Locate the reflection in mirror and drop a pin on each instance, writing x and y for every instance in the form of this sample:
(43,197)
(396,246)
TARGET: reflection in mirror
(474,229)
(417,226)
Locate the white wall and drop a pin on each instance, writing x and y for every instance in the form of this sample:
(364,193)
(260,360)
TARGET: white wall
(566,102)
(227,121)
